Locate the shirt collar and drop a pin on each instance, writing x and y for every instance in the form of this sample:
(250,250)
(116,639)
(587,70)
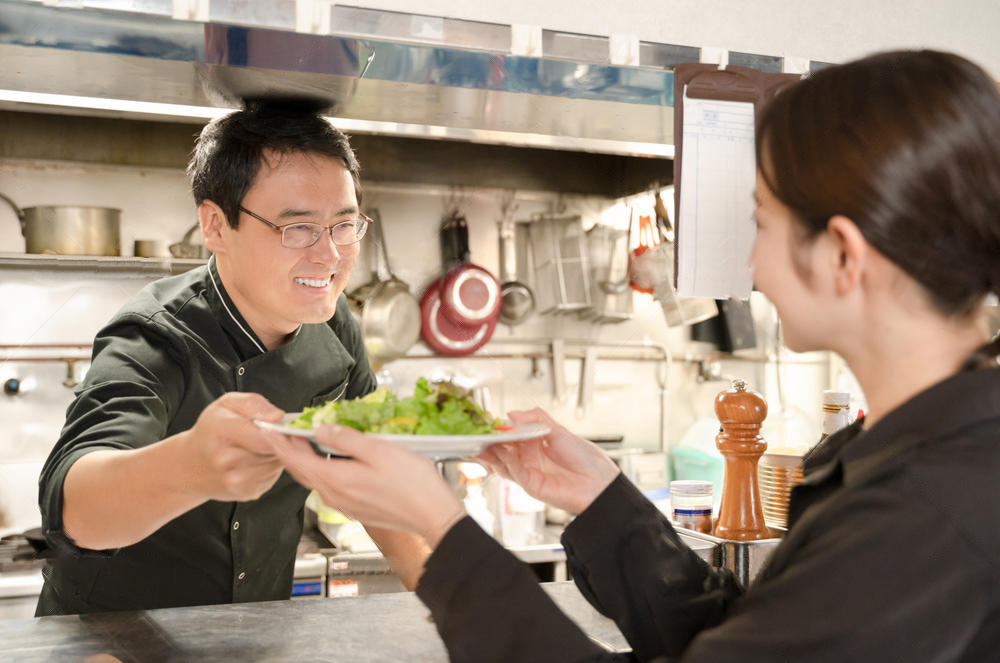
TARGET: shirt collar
(244,339)
(964,399)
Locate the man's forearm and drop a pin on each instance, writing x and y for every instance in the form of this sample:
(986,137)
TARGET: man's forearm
(114,498)
(405,552)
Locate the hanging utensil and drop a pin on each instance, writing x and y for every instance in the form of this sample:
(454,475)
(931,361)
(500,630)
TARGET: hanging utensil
(662,218)
(588,366)
(442,334)
(561,263)
(649,263)
(360,295)
(186,248)
(390,314)
(461,329)
(558,369)
(678,311)
(470,295)
(517,301)
(610,292)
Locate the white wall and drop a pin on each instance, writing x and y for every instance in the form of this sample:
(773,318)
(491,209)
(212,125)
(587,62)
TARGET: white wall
(814,29)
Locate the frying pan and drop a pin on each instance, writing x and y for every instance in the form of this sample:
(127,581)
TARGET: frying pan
(470,295)
(442,334)
(389,313)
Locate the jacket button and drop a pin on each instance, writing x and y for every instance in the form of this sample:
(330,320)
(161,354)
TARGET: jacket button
(236,525)
(242,575)
(241,371)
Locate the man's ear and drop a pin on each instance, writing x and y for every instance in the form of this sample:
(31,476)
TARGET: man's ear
(850,254)
(214,227)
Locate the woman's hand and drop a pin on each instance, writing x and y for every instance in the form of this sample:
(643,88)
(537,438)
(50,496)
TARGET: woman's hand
(381,484)
(561,469)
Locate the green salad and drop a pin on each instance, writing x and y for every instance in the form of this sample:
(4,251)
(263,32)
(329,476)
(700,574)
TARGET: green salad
(433,409)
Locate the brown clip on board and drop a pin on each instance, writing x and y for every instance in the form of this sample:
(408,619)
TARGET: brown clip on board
(709,81)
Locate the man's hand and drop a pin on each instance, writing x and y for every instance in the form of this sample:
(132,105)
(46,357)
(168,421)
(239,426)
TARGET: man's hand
(230,457)
(113,498)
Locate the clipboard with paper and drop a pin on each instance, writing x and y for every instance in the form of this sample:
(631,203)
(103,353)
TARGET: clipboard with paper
(714,176)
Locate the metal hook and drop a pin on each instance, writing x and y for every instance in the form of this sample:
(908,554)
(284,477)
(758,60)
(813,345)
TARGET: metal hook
(508,206)
(451,202)
(371,57)
(70,380)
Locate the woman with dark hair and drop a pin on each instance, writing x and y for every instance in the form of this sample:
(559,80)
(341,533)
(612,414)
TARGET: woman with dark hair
(878,216)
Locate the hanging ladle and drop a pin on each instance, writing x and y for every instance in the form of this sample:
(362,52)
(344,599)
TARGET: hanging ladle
(518,302)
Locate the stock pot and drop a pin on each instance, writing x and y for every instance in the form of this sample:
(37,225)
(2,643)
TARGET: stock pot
(72,230)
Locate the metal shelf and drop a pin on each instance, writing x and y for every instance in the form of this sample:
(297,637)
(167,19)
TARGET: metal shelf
(102,264)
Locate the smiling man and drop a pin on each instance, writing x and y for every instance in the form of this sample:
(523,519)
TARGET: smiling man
(161,491)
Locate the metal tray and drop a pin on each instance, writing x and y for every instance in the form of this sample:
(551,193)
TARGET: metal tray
(743,558)
(704,549)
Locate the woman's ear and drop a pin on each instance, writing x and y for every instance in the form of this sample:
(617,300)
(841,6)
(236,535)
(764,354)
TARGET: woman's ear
(214,226)
(851,252)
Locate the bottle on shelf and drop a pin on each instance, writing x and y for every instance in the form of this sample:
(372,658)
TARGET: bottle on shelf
(836,412)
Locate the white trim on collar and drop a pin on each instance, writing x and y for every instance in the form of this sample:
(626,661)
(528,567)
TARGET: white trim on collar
(226,306)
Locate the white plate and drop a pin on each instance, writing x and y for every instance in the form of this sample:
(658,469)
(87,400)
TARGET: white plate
(432,446)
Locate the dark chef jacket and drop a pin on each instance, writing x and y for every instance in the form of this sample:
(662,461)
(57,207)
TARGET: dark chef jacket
(891,555)
(175,348)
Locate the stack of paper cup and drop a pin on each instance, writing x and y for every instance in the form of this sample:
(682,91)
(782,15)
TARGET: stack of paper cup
(777,474)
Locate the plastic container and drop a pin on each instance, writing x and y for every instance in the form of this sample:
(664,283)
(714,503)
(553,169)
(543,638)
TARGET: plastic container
(691,501)
(690,463)
(475,502)
(660,497)
(519,518)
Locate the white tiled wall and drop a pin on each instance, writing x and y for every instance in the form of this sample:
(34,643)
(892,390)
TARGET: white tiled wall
(67,307)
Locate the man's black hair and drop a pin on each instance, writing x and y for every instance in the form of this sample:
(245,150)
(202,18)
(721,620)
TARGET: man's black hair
(229,151)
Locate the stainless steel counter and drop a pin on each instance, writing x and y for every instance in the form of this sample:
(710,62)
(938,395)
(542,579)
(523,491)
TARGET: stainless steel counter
(379,627)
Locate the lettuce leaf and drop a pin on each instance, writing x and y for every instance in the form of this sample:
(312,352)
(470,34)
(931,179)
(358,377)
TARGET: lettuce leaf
(434,409)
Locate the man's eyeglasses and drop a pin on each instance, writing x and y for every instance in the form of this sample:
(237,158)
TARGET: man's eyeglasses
(300,235)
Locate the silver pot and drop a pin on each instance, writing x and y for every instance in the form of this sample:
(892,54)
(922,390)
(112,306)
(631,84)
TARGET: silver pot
(70,230)
(151,248)
(389,314)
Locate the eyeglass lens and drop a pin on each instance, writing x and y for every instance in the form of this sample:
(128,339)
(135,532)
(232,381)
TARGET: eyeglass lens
(301,235)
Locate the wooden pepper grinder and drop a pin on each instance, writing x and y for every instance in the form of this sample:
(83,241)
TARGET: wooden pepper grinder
(741,413)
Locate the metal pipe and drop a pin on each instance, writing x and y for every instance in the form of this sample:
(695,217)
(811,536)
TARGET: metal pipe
(27,360)
(35,346)
(646,352)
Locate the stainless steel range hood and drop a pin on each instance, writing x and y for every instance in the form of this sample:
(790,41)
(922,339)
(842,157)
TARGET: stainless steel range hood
(144,63)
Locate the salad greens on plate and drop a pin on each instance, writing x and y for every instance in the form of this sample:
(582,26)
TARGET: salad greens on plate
(433,409)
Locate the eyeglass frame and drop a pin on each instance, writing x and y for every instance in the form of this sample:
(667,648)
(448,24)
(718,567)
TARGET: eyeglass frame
(361,215)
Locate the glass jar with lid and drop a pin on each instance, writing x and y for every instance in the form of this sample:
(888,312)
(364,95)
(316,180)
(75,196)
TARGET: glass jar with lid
(691,503)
